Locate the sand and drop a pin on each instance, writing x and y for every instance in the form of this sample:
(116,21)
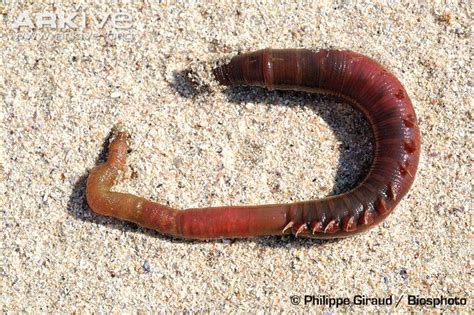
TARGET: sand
(195,145)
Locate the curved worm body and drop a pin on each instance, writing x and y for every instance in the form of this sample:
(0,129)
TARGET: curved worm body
(359,80)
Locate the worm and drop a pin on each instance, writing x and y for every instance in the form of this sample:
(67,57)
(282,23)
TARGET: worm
(357,79)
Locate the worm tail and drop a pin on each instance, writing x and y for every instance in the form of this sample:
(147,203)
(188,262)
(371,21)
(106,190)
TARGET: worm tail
(124,206)
(199,223)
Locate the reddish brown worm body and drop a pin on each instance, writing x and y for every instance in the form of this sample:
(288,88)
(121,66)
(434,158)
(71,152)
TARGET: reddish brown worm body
(359,80)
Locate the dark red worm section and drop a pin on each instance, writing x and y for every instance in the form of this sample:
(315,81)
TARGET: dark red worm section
(359,80)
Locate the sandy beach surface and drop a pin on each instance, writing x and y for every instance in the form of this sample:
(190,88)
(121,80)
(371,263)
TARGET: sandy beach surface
(63,89)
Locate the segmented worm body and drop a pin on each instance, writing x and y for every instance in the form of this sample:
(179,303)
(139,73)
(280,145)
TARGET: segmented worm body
(360,81)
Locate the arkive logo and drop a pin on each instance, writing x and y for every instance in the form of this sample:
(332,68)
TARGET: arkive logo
(76,19)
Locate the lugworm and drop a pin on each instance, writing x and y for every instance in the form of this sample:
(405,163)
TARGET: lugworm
(359,80)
